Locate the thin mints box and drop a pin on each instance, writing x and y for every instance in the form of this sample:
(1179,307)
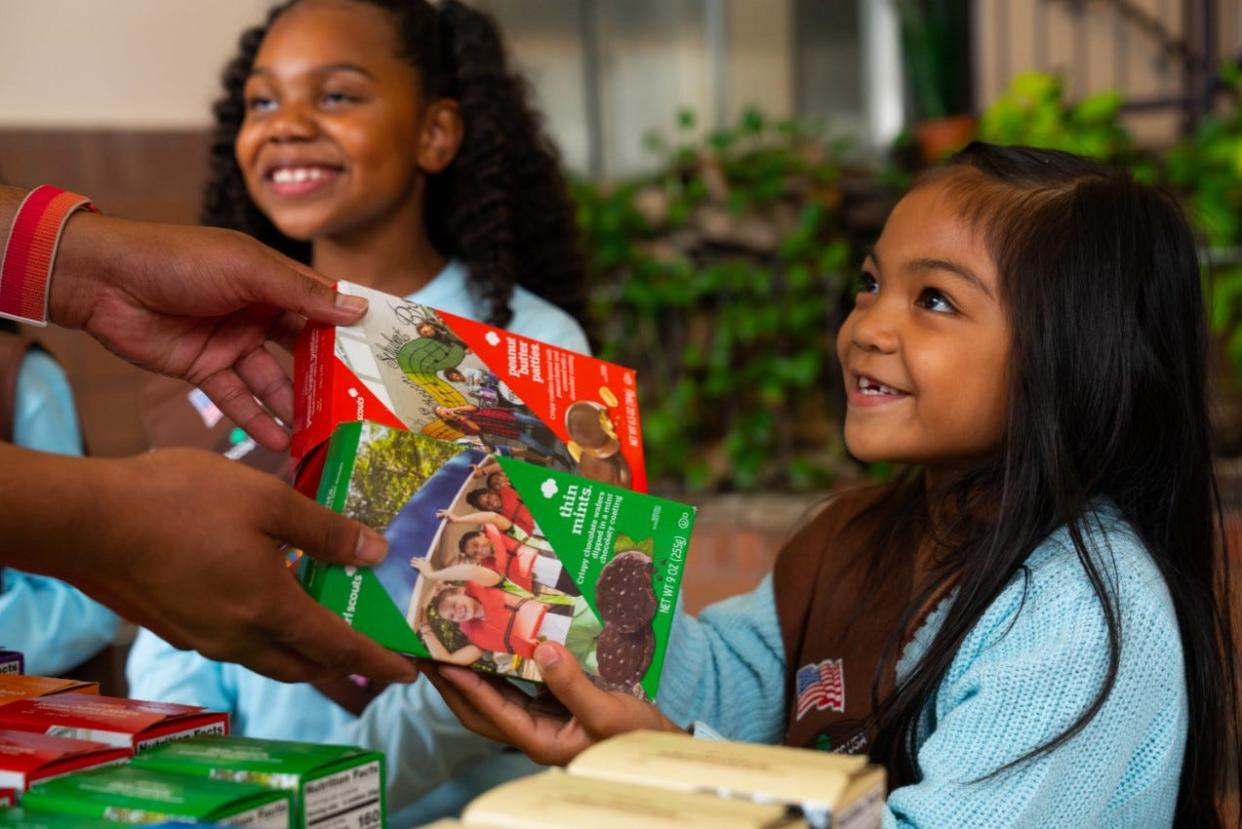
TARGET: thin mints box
(488,556)
(333,787)
(22,819)
(131,795)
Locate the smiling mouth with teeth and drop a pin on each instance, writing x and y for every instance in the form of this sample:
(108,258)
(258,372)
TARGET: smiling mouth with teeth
(870,387)
(297,175)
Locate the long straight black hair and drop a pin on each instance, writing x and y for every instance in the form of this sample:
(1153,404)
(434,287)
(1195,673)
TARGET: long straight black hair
(1107,399)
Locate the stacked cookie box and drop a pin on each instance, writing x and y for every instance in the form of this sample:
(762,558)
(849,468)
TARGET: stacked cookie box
(71,757)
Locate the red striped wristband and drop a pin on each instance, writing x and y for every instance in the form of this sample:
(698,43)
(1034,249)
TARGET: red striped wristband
(26,269)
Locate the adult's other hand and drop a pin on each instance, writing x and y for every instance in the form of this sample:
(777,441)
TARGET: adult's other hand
(191,545)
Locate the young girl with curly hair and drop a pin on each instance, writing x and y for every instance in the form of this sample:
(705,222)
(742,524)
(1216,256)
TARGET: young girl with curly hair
(386,142)
(379,140)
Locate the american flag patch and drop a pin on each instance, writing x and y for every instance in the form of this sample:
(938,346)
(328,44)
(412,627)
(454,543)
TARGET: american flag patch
(821,686)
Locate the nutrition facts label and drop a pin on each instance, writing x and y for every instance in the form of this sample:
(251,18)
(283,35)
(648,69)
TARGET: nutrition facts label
(346,800)
(271,816)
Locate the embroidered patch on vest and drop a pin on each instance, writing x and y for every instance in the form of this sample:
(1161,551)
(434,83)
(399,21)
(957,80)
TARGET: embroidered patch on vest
(821,687)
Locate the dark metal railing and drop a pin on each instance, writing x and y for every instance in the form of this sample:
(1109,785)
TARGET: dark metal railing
(1193,52)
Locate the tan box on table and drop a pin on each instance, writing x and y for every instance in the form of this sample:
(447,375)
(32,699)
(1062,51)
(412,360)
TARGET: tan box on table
(839,791)
(556,800)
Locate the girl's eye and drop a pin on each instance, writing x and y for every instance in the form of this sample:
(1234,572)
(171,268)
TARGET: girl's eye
(336,99)
(933,300)
(260,103)
(867,284)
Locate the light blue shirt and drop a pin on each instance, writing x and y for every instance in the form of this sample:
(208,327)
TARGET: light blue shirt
(54,625)
(1032,663)
(261,707)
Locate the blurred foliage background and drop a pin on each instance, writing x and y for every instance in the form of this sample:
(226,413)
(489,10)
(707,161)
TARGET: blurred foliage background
(724,275)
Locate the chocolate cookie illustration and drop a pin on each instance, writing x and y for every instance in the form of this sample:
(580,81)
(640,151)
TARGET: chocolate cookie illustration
(591,429)
(624,657)
(611,470)
(623,592)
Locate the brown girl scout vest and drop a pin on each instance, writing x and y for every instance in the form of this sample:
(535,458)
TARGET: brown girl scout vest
(837,616)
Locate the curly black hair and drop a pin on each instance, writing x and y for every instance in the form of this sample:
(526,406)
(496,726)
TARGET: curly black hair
(502,205)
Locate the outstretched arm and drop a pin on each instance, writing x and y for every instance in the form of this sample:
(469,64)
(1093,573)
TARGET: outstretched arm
(487,467)
(486,517)
(466,655)
(457,572)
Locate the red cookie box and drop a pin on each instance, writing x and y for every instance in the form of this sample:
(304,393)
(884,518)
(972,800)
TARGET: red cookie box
(412,367)
(127,723)
(27,758)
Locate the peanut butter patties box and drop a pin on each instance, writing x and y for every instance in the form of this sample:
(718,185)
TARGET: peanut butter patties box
(333,787)
(131,795)
(830,791)
(488,556)
(132,724)
(27,758)
(411,367)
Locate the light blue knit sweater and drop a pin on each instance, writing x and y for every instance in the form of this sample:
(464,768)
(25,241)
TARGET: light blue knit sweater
(1032,664)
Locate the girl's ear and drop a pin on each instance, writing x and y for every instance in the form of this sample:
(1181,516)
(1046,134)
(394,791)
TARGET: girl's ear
(441,135)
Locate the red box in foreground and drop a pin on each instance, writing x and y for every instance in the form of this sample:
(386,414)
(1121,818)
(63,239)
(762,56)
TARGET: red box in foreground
(127,723)
(27,758)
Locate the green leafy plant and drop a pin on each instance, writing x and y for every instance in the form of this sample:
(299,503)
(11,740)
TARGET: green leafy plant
(936,47)
(721,277)
(1206,172)
(1034,112)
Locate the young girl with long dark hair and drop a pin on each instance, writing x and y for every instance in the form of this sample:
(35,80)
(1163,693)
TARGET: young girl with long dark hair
(1031,626)
(387,142)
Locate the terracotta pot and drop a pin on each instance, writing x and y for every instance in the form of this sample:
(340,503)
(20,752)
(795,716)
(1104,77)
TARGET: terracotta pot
(941,137)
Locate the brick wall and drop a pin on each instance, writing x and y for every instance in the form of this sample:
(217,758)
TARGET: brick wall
(736,539)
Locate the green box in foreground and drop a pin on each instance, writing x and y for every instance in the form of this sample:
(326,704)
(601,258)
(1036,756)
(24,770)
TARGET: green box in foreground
(125,794)
(21,819)
(333,787)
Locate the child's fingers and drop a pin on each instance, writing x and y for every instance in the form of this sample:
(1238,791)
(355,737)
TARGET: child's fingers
(568,683)
(463,708)
(501,712)
(600,713)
